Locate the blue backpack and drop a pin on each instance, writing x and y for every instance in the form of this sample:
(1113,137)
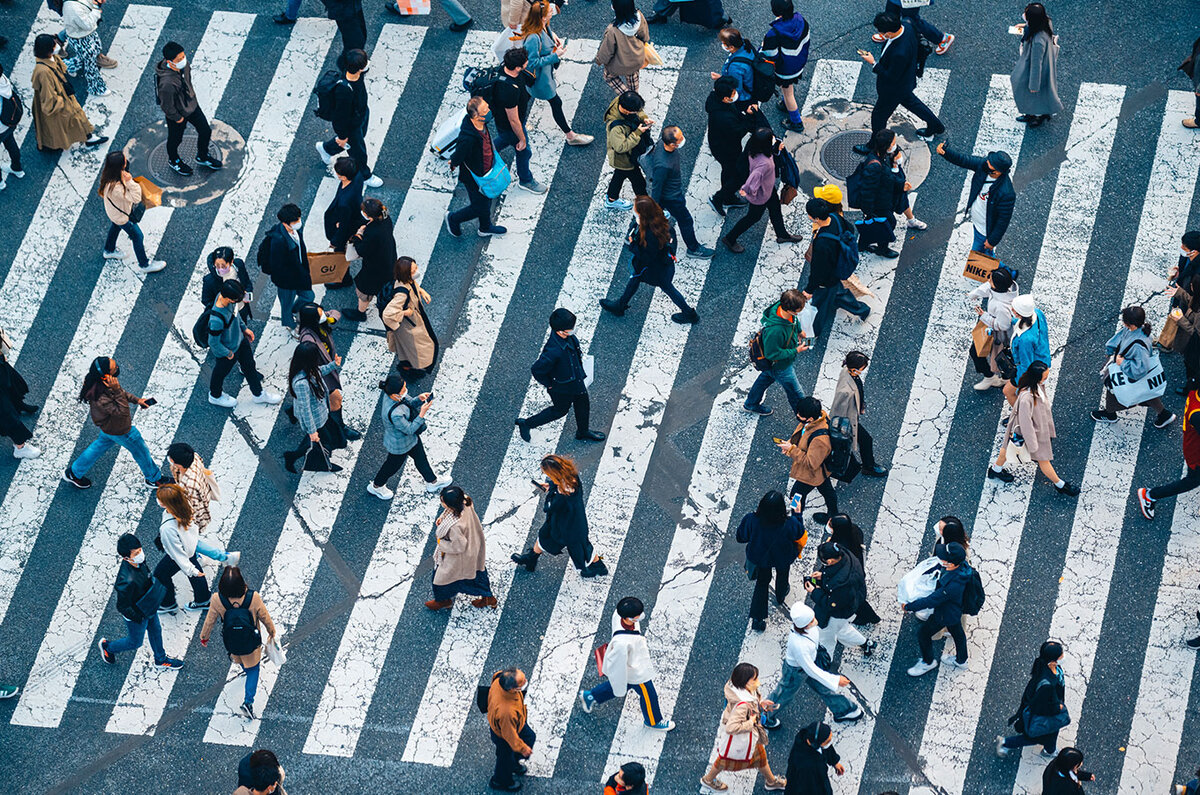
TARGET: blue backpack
(847,238)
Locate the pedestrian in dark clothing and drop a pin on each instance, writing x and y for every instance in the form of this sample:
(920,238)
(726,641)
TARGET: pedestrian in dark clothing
(229,340)
(774,539)
(1189,258)
(252,762)
(629,780)
(343,216)
(992,196)
(847,535)
(1064,776)
(1147,498)
(283,256)
(351,114)
(566,525)
(375,242)
(882,195)
(824,287)
(8,108)
(924,28)
(310,406)
(896,78)
(811,755)
(653,245)
(708,13)
(1191,68)
(560,370)
(223,267)
(511,100)
(510,730)
(946,601)
(727,126)
(838,587)
(666,188)
(13,390)
(786,45)
(1034,78)
(317,327)
(759,191)
(138,598)
(351,25)
(474,155)
(177,98)
(1044,696)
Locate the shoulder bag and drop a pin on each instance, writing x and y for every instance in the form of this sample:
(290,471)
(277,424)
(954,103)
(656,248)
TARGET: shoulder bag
(135,212)
(735,747)
(496,181)
(151,600)
(1132,393)
(1044,725)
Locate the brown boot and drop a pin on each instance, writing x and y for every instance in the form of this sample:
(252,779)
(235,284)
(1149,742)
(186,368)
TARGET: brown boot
(434,604)
(104,62)
(484,601)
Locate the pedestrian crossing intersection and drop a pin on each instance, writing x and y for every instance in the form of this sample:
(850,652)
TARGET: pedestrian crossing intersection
(367,673)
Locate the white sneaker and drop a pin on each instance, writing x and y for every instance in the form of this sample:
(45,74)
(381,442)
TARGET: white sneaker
(619,204)
(916,223)
(950,661)
(921,668)
(6,170)
(434,488)
(3,185)
(153,266)
(988,383)
(28,451)
(268,398)
(104,92)
(225,401)
(326,158)
(382,492)
(233,559)
(374,182)
(114,255)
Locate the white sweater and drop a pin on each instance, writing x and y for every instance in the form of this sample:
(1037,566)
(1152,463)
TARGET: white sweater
(998,315)
(180,544)
(802,654)
(80,18)
(627,661)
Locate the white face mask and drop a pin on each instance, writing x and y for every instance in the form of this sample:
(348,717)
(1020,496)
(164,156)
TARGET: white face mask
(140,557)
(366,217)
(299,223)
(680,144)
(181,63)
(1185,252)
(735,95)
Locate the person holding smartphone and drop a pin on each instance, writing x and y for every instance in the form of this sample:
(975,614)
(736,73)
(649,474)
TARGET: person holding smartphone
(627,139)
(403,423)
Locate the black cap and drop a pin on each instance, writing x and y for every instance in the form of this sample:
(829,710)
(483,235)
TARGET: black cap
(630,607)
(562,319)
(951,553)
(127,543)
(1000,161)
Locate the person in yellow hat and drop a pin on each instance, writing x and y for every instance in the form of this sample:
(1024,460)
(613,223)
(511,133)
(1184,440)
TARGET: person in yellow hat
(831,194)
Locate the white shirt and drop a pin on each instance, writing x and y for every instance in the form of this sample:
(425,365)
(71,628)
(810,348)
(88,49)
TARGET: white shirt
(802,653)
(887,42)
(979,207)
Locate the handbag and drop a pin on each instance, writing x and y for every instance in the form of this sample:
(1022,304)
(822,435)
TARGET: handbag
(1044,725)
(1006,365)
(652,58)
(135,212)
(151,193)
(979,266)
(589,369)
(735,747)
(982,339)
(151,600)
(599,654)
(1170,330)
(1132,393)
(919,583)
(496,181)
(273,651)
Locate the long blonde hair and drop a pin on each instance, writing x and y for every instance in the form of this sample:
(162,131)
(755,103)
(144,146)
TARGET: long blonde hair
(174,499)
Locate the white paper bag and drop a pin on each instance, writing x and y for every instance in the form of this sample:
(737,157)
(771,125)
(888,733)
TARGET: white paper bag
(589,369)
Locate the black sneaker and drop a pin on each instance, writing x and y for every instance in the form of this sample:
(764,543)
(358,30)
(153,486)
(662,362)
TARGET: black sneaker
(75,480)
(771,722)
(182,168)
(105,654)
(210,162)
(849,717)
(615,307)
(247,710)
(758,625)
(1004,476)
(162,481)
(718,208)
(197,607)
(862,149)
(760,409)
(926,134)
(354,315)
(1165,418)
(523,429)
(869,647)
(284,19)
(1068,489)
(591,436)
(1104,416)
(459,27)
(169,662)
(1193,643)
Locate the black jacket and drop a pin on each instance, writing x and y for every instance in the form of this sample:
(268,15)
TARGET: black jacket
(727,126)
(771,546)
(1001,198)
(342,9)
(840,590)
(808,768)
(468,152)
(349,108)
(377,247)
(132,584)
(822,271)
(652,263)
(566,526)
(343,216)
(1044,695)
(211,286)
(881,188)
(947,598)
(560,367)
(279,258)
(1055,783)
(896,69)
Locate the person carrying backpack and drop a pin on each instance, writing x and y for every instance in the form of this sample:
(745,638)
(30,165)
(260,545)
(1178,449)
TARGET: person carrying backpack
(229,340)
(779,341)
(947,604)
(627,139)
(403,423)
(240,610)
(739,64)
(759,191)
(786,45)
(347,110)
(877,187)
(12,110)
(834,255)
(809,448)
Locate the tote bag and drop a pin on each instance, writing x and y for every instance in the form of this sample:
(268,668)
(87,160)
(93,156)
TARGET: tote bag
(496,181)
(1130,393)
(919,583)
(735,747)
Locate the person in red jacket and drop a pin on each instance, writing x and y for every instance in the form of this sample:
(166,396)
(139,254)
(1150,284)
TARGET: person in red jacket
(1191,456)
(629,780)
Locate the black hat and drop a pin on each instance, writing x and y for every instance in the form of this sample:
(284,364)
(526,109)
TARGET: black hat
(951,553)
(630,607)
(562,319)
(1000,161)
(127,543)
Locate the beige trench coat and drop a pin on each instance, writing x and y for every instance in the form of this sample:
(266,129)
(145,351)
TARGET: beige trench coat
(460,553)
(408,336)
(57,117)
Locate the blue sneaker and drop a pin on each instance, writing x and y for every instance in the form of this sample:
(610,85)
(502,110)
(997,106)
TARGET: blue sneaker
(662,725)
(587,700)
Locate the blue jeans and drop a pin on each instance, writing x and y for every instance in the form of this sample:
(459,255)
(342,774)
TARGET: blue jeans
(293,9)
(458,14)
(924,28)
(251,682)
(209,551)
(785,376)
(977,245)
(131,441)
(505,139)
(288,300)
(135,236)
(1049,742)
(136,633)
(651,714)
(790,682)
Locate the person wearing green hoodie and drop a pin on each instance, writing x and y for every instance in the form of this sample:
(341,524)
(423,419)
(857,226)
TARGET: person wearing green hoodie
(781,341)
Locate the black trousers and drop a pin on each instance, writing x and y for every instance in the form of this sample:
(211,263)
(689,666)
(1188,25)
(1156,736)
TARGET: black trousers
(1188,482)
(982,365)
(560,404)
(478,207)
(14,152)
(356,146)
(244,356)
(395,462)
(637,181)
(762,584)
(754,212)
(866,447)
(825,490)
(175,134)
(556,110)
(731,179)
(634,282)
(354,35)
(507,758)
(828,300)
(885,106)
(165,570)
(930,628)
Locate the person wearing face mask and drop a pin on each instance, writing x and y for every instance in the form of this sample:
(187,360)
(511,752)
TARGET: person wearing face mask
(849,401)
(177,98)
(310,407)
(995,297)
(759,190)
(880,186)
(474,155)
(628,138)
(622,51)
(727,126)
(138,598)
(1189,259)
(283,256)
(946,602)
(410,334)
(992,196)
(559,369)
(1065,774)
(81,18)
(545,51)
(403,419)
(229,340)
(197,482)
(317,327)
(666,188)
(122,194)
(375,244)
(108,404)
(653,244)
(1148,497)
(241,612)
(824,287)
(742,740)
(58,119)
(179,538)
(627,666)
(1032,419)
(350,117)
(460,556)
(12,109)
(223,266)
(1130,349)
(509,727)
(786,45)
(896,78)
(1035,76)
(343,216)
(13,391)
(351,25)
(739,60)
(810,760)
(1042,709)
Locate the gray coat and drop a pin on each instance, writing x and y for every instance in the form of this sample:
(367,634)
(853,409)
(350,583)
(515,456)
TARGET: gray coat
(846,402)
(542,59)
(399,431)
(1035,77)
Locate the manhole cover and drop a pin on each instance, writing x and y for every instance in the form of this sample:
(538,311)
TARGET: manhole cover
(147,153)
(838,156)
(160,166)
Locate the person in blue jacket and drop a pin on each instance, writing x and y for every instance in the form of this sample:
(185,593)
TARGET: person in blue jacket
(739,60)
(946,601)
(786,43)
(1030,341)
(1131,348)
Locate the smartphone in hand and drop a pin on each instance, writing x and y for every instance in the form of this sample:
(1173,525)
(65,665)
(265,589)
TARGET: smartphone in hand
(539,485)
(150,402)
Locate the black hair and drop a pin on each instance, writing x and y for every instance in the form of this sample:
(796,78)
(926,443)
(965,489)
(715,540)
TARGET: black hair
(306,359)
(288,213)
(881,142)
(953,530)
(762,142)
(1067,760)
(772,509)
(345,167)
(456,499)
(232,586)
(515,58)
(631,101)
(630,607)
(886,22)
(1036,21)
(742,674)
(232,290)
(222,253)
(1032,377)
(263,776)
(624,12)
(856,360)
(356,61)
(725,85)
(93,378)
(508,678)
(634,776)
(264,758)
(110,172)
(43,45)
(1134,315)
(171,50)
(808,406)
(374,209)
(783,8)
(1002,280)
(1048,652)
(829,550)
(792,300)
(309,316)
(732,37)
(671,134)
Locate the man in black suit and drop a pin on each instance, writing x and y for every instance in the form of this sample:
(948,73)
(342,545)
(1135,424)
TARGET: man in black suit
(727,126)
(896,79)
(990,206)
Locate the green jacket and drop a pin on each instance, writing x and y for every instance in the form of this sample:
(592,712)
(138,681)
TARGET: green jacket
(621,138)
(779,337)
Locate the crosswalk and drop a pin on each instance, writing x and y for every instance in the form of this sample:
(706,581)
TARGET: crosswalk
(694,564)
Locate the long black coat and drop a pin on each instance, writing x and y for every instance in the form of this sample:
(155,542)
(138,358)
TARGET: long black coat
(377,247)
(880,188)
(653,264)
(279,258)
(342,217)
(808,768)
(566,526)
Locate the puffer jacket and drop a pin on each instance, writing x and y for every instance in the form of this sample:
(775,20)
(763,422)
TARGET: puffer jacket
(786,43)
(80,18)
(623,135)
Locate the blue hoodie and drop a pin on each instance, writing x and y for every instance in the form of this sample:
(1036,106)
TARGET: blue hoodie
(786,43)
(738,66)
(1032,344)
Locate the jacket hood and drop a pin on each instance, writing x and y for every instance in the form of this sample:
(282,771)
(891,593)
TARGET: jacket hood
(793,28)
(163,70)
(770,316)
(612,114)
(631,28)
(735,694)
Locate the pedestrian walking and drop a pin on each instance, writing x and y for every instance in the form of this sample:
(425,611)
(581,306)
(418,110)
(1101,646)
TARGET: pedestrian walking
(774,539)
(994,308)
(785,44)
(509,727)
(629,780)
(510,111)
(410,335)
(199,486)
(1031,426)
(627,139)
(1189,68)
(81,19)
(250,764)
(849,536)
(138,598)
(806,661)
(566,525)
(1130,349)
(809,449)
(343,216)
(560,370)
(627,666)
(460,18)
(727,126)
(460,557)
(811,758)
(849,401)
(1188,266)
(882,193)
(545,52)
(179,538)
(310,406)
(375,243)
(13,391)
(474,155)
(229,340)
(316,327)
(991,196)
(241,611)
(707,13)
(924,28)
(223,266)
(350,116)
(12,110)
(896,78)
(946,602)
(739,63)
(1035,76)
(403,423)
(1065,775)
(1148,497)
(653,243)
(742,740)
(122,203)
(283,256)
(666,188)
(759,191)
(1042,706)
(837,588)
(351,25)
(1185,316)
(177,98)
(108,406)
(781,340)
(622,51)
(263,780)
(1029,341)
(58,119)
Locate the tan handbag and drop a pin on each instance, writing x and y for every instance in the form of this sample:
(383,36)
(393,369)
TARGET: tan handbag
(652,58)
(979,266)
(981,339)
(151,193)
(1170,329)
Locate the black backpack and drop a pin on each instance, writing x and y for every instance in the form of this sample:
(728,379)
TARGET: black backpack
(762,86)
(973,593)
(200,328)
(757,358)
(239,630)
(12,110)
(480,81)
(841,444)
(55,5)
(854,183)
(324,91)
(385,296)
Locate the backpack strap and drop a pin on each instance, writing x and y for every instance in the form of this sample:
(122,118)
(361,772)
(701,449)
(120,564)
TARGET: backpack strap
(1129,347)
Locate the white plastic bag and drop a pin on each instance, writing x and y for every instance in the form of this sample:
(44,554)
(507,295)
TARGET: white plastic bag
(919,583)
(273,651)
(589,369)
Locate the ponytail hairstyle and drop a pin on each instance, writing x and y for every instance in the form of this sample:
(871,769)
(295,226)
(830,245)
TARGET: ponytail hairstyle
(732,37)
(455,499)
(374,209)
(536,20)
(1135,316)
(174,499)
(1050,651)
(562,472)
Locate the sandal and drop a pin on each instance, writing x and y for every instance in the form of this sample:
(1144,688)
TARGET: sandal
(714,785)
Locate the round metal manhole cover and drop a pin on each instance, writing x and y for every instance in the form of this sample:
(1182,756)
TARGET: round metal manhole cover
(147,155)
(838,156)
